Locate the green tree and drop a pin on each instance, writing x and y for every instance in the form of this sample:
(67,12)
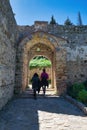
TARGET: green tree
(39,62)
(79,23)
(53,21)
(68,22)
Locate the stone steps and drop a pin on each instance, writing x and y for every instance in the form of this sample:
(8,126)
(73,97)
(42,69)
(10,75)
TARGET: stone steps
(28,93)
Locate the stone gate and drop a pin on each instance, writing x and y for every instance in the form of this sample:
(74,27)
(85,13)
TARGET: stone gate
(50,47)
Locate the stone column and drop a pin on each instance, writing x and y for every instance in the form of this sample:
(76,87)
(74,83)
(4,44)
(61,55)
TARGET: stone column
(61,72)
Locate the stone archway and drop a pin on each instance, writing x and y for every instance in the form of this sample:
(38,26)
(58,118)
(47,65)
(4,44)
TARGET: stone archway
(39,43)
(43,50)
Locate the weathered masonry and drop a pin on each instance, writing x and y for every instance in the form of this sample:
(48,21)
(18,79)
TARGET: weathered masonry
(7,52)
(64,46)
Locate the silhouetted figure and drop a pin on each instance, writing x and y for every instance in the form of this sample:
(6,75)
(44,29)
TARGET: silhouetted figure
(35,84)
(44,80)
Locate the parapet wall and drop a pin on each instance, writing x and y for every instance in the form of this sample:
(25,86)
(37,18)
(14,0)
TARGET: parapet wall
(73,34)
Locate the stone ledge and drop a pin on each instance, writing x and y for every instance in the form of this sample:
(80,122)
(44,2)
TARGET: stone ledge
(78,104)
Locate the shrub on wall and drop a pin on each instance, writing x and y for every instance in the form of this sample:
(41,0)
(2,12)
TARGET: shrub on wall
(70,90)
(85,83)
(82,96)
(76,88)
(78,91)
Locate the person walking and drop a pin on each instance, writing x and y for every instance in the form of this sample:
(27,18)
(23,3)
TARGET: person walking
(35,84)
(44,80)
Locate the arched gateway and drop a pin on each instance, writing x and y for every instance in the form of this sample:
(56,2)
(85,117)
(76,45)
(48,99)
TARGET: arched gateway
(41,43)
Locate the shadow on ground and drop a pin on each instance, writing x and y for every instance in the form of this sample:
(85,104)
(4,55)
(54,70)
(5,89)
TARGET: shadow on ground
(23,113)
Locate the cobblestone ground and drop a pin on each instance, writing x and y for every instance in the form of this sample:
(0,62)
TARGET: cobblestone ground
(45,113)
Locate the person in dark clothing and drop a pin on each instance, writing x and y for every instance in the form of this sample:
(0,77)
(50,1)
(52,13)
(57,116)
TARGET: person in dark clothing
(44,80)
(35,84)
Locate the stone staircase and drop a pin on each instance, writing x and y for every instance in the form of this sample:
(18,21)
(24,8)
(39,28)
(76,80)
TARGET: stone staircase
(28,93)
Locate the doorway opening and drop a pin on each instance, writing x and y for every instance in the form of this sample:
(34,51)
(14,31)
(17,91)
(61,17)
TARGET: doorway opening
(36,65)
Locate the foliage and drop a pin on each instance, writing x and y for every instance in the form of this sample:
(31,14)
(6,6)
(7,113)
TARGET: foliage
(79,19)
(82,96)
(85,83)
(39,62)
(49,81)
(68,22)
(78,91)
(69,89)
(53,21)
(76,88)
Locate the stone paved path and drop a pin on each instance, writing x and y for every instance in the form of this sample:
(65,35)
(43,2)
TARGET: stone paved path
(45,113)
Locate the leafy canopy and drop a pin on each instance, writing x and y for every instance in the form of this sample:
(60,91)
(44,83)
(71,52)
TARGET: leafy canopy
(39,62)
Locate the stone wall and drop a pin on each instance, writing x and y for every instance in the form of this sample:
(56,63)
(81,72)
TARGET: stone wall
(76,47)
(76,51)
(76,58)
(8,35)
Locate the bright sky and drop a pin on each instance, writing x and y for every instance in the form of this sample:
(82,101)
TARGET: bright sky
(28,11)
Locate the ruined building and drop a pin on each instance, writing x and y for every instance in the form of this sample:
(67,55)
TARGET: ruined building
(64,46)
